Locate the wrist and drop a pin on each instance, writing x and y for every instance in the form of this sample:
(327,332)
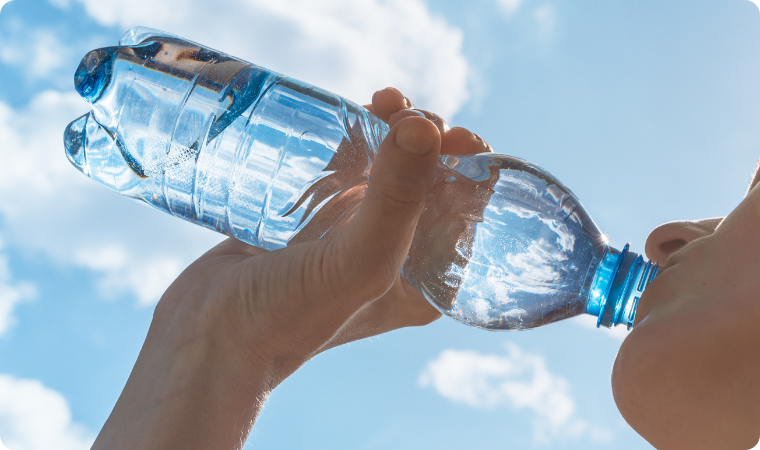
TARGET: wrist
(188,391)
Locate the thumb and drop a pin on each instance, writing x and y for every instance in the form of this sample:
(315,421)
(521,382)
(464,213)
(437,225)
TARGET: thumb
(375,243)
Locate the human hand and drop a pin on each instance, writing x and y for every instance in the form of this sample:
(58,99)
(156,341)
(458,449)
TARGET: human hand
(688,375)
(240,319)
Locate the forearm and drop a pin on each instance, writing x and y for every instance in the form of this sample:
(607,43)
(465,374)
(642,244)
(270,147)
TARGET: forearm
(182,393)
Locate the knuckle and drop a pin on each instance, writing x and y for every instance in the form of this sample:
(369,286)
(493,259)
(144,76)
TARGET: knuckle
(401,194)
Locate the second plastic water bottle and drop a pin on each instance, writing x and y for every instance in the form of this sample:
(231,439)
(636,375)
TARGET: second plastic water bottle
(501,244)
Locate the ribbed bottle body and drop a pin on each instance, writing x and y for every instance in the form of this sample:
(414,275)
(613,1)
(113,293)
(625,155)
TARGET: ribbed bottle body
(221,142)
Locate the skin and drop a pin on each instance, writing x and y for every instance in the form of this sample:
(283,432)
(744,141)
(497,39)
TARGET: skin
(688,374)
(240,320)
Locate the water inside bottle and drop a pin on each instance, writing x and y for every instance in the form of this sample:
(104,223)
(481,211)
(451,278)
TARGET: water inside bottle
(501,244)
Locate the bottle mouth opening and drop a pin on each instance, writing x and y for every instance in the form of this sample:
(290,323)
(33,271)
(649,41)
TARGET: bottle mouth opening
(632,275)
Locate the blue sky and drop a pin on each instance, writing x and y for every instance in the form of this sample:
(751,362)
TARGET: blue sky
(648,110)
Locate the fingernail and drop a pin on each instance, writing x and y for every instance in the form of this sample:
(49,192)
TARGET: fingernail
(408,113)
(408,103)
(436,119)
(414,138)
(482,141)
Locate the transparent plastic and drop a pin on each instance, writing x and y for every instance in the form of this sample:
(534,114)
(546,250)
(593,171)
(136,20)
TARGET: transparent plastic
(272,161)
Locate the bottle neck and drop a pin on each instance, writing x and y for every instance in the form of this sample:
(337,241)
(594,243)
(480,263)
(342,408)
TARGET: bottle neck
(619,282)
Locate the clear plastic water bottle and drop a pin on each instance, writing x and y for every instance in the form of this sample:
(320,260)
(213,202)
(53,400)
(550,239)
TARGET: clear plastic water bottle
(272,161)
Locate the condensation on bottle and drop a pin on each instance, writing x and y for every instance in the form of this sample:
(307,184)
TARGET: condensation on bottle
(272,161)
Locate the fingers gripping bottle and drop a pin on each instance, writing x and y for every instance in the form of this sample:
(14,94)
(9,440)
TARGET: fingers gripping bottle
(272,161)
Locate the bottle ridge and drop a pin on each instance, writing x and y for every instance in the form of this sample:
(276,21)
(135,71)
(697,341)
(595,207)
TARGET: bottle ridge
(272,161)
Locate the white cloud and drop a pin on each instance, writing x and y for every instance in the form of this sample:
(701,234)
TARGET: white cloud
(509,6)
(147,280)
(617,333)
(351,47)
(543,19)
(48,206)
(37,51)
(11,293)
(518,381)
(34,417)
